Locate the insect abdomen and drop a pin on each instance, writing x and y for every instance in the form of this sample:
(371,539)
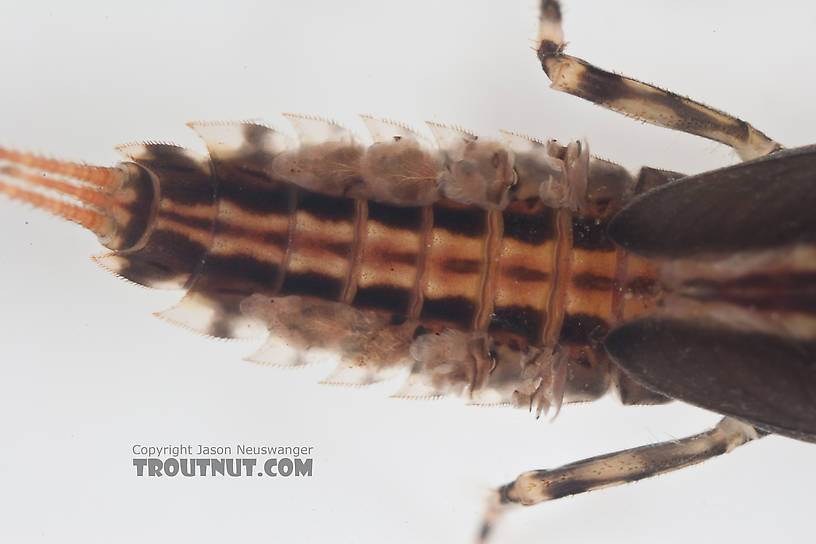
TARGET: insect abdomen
(481,269)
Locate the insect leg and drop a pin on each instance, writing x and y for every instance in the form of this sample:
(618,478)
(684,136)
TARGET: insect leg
(639,100)
(617,468)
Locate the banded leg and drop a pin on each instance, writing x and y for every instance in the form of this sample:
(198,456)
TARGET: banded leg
(639,100)
(616,468)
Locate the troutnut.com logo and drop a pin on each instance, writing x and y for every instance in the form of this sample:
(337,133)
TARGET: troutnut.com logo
(229,461)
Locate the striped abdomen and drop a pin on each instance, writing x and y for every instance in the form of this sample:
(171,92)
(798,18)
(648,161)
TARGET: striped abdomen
(506,287)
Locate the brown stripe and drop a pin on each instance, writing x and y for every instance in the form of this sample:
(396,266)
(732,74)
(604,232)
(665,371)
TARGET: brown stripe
(465,221)
(327,208)
(238,274)
(383,297)
(531,228)
(312,284)
(589,234)
(643,286)
(791,291)
(341,249)
(457,311)
(227,230)
(182,178)
(248,232)
(461,266)
(401,257)
(522,320)
(262,195)
(592,282)
(524,274)
(168,254)
(582,329)
(396,217)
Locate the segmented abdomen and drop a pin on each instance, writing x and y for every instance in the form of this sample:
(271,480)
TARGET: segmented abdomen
(485,267)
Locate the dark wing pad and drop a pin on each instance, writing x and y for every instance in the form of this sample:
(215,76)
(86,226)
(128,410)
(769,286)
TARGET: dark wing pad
(766,380)
(768,202)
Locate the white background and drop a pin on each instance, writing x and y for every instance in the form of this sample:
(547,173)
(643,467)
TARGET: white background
(86,371)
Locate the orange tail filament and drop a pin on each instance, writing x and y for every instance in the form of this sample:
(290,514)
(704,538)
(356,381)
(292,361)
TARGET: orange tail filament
(76,192)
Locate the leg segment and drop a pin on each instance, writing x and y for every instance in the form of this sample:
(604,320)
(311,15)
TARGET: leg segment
(637,99)
(617,468)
